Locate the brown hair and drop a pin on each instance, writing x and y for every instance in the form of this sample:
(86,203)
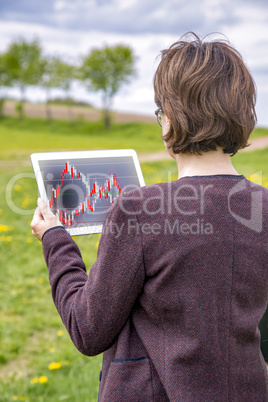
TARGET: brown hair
(208,94)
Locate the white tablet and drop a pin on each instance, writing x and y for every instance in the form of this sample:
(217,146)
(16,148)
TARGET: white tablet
(80,187)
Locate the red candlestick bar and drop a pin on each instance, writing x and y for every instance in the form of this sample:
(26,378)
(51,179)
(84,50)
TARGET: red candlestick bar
(105,189)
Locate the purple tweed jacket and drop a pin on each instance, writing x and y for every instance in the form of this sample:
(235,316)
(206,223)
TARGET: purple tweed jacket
(176,293)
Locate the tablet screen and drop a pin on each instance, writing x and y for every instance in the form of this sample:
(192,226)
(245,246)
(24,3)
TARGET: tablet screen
(81,187)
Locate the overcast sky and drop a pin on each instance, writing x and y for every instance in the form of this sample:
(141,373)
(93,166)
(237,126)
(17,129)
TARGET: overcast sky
(72,27)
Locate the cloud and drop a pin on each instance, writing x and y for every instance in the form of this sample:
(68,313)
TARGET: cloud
(121,16)
(72,28)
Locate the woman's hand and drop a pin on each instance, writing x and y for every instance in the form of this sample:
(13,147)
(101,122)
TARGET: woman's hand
(43,219)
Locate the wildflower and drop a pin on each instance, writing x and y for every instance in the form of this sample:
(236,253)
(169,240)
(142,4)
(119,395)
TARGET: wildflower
(52,349)
(256,177)
(60,333)
(22,398)
(265,181)
(41,280)
(43,379)
(14,398)
(5,238)
(34,380)
(17,187)
(25,203)
(55,366)
(97,245)
(29,239)
(5,228)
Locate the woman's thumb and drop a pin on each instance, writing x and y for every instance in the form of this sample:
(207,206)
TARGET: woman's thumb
(44,209)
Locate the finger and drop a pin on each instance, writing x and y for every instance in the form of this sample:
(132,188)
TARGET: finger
(37,215)
(44,209)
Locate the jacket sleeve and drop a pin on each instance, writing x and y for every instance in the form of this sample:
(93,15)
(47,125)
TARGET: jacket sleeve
(94,307)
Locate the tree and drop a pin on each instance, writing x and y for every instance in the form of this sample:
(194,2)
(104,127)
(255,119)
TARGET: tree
(57,74)
(66,74)
(26,66)
(106,70)
(5,80)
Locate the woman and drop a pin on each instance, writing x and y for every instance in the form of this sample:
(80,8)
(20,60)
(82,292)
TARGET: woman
(174,301)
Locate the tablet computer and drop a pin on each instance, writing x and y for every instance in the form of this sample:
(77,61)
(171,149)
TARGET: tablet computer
(81,186)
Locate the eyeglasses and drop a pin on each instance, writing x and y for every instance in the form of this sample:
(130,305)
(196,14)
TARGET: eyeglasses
(158,114)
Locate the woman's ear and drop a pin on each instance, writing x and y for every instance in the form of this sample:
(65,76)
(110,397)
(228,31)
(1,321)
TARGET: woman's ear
(167,120)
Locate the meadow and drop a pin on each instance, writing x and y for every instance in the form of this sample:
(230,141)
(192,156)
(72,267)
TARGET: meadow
(38,362)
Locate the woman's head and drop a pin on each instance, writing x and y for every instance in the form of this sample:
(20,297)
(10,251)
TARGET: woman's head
(208,96)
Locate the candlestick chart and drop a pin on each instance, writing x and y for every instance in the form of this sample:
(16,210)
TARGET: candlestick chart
(109,190)
(82,192)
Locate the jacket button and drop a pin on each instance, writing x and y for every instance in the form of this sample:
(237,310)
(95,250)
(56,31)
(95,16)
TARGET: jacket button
(100,375)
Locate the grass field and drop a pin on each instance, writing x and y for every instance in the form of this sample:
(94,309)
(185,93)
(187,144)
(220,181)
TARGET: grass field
(37,359)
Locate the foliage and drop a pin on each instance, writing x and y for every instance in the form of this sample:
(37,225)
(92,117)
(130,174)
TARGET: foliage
(106,70)
(25,65)
(57,74)
(5,80)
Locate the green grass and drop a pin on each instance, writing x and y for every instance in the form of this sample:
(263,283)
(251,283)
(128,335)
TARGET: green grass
(259,132)
(29,322)
(21,138)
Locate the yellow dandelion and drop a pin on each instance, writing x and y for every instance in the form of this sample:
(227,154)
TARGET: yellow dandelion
(1,212)
(256,177)
(22,398)
(97,245)
(6,238)
(15,398)
(67,363)
(34,380)
(25,203)
(265,181)
(60,333)
(3,228)
(17,187)
(42,379)
(99,234)
(52,349)
(157,180)
(29,239)
(55,366)
(41,280)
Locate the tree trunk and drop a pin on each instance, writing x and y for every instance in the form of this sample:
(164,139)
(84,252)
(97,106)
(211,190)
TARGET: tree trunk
(20,104)
(69,107)
(106,110)
(106,118)
(48,108)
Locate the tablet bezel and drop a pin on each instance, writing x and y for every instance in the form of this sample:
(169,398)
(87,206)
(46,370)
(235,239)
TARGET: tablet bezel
(43,156)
